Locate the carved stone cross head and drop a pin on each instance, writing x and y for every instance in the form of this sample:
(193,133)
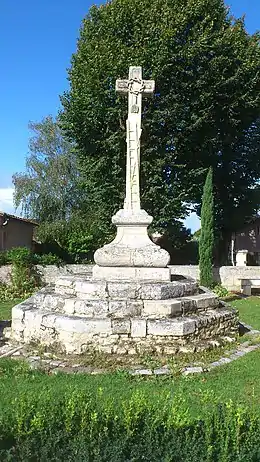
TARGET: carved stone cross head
(135,87)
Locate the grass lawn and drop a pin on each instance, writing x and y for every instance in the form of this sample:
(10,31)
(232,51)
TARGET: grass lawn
(249,310)
(6,309)
(33,402)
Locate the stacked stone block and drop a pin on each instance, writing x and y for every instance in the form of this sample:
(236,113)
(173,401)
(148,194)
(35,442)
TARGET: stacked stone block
(80,315)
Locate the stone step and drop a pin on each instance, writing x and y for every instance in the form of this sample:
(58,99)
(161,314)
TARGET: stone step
(162,308)
(197,302)
(76,334)
(180,306)
(72,305)
(116,290)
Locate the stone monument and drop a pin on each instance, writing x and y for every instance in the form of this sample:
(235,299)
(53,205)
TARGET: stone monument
(131,303)
(132,248)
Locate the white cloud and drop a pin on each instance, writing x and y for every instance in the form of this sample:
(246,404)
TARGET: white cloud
(6,200)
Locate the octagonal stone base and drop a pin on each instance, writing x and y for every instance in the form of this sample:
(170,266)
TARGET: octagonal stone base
(123,317)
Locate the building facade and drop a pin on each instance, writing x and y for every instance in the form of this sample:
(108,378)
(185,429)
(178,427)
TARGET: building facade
(246,244)
(15,232)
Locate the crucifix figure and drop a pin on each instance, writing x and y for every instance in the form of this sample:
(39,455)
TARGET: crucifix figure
(134,87)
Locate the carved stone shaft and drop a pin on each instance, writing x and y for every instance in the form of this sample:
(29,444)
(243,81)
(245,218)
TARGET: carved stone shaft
(132,246)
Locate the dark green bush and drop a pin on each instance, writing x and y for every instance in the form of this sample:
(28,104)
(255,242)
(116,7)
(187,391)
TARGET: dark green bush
(3,258)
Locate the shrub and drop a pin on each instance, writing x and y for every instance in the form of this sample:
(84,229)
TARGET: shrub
(25,279)
(3,258)
(86,426)
(20,256)
(48,259)
(220,291)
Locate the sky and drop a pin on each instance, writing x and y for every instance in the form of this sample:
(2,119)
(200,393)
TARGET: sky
(37,39)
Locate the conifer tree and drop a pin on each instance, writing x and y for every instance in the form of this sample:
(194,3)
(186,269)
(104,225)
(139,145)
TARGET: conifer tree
(206,241)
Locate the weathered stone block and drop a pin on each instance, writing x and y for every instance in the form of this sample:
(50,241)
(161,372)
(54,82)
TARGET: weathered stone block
(48,320)
(117,308)
(164,327)
(52,301)
(39,297)
(171,350)
(18,312)
(93,289)
(122,290)
(64,290)
(90,308)
(192,370)
(33,318)
(83,325)
(69,305)
(130,273)
(170,307)
(164,291)
(134,307)
(202,301)
(121,326)
(138,327)
(65,281)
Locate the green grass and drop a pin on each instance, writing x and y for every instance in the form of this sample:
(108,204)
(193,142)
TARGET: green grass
(249,310)
(6,308)
(33,405)
(238,381)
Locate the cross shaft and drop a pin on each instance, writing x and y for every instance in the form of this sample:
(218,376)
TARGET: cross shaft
(134,87)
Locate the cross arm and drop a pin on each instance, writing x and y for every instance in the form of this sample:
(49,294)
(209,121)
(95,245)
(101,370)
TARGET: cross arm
(149,87)
(122,87)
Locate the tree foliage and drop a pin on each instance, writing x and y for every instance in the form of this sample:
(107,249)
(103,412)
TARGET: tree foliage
(51,192)
(205,111)
(206,240)
(50,187)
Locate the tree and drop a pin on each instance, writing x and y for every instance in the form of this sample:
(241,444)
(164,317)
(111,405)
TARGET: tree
(51,192)
(206,240)
(50,188)
(204,112)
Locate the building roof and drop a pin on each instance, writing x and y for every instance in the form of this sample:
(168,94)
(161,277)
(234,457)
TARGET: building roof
(14,217)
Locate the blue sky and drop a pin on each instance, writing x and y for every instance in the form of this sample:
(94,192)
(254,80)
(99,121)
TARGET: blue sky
(37,39)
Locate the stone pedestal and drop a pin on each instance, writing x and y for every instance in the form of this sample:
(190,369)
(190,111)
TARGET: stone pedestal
(128,273)
(132,246)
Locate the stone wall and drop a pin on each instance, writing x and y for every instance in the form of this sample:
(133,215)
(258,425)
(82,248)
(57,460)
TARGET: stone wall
(49,273)
(228,276)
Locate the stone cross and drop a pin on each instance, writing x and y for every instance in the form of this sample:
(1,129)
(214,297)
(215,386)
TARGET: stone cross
(134,87)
